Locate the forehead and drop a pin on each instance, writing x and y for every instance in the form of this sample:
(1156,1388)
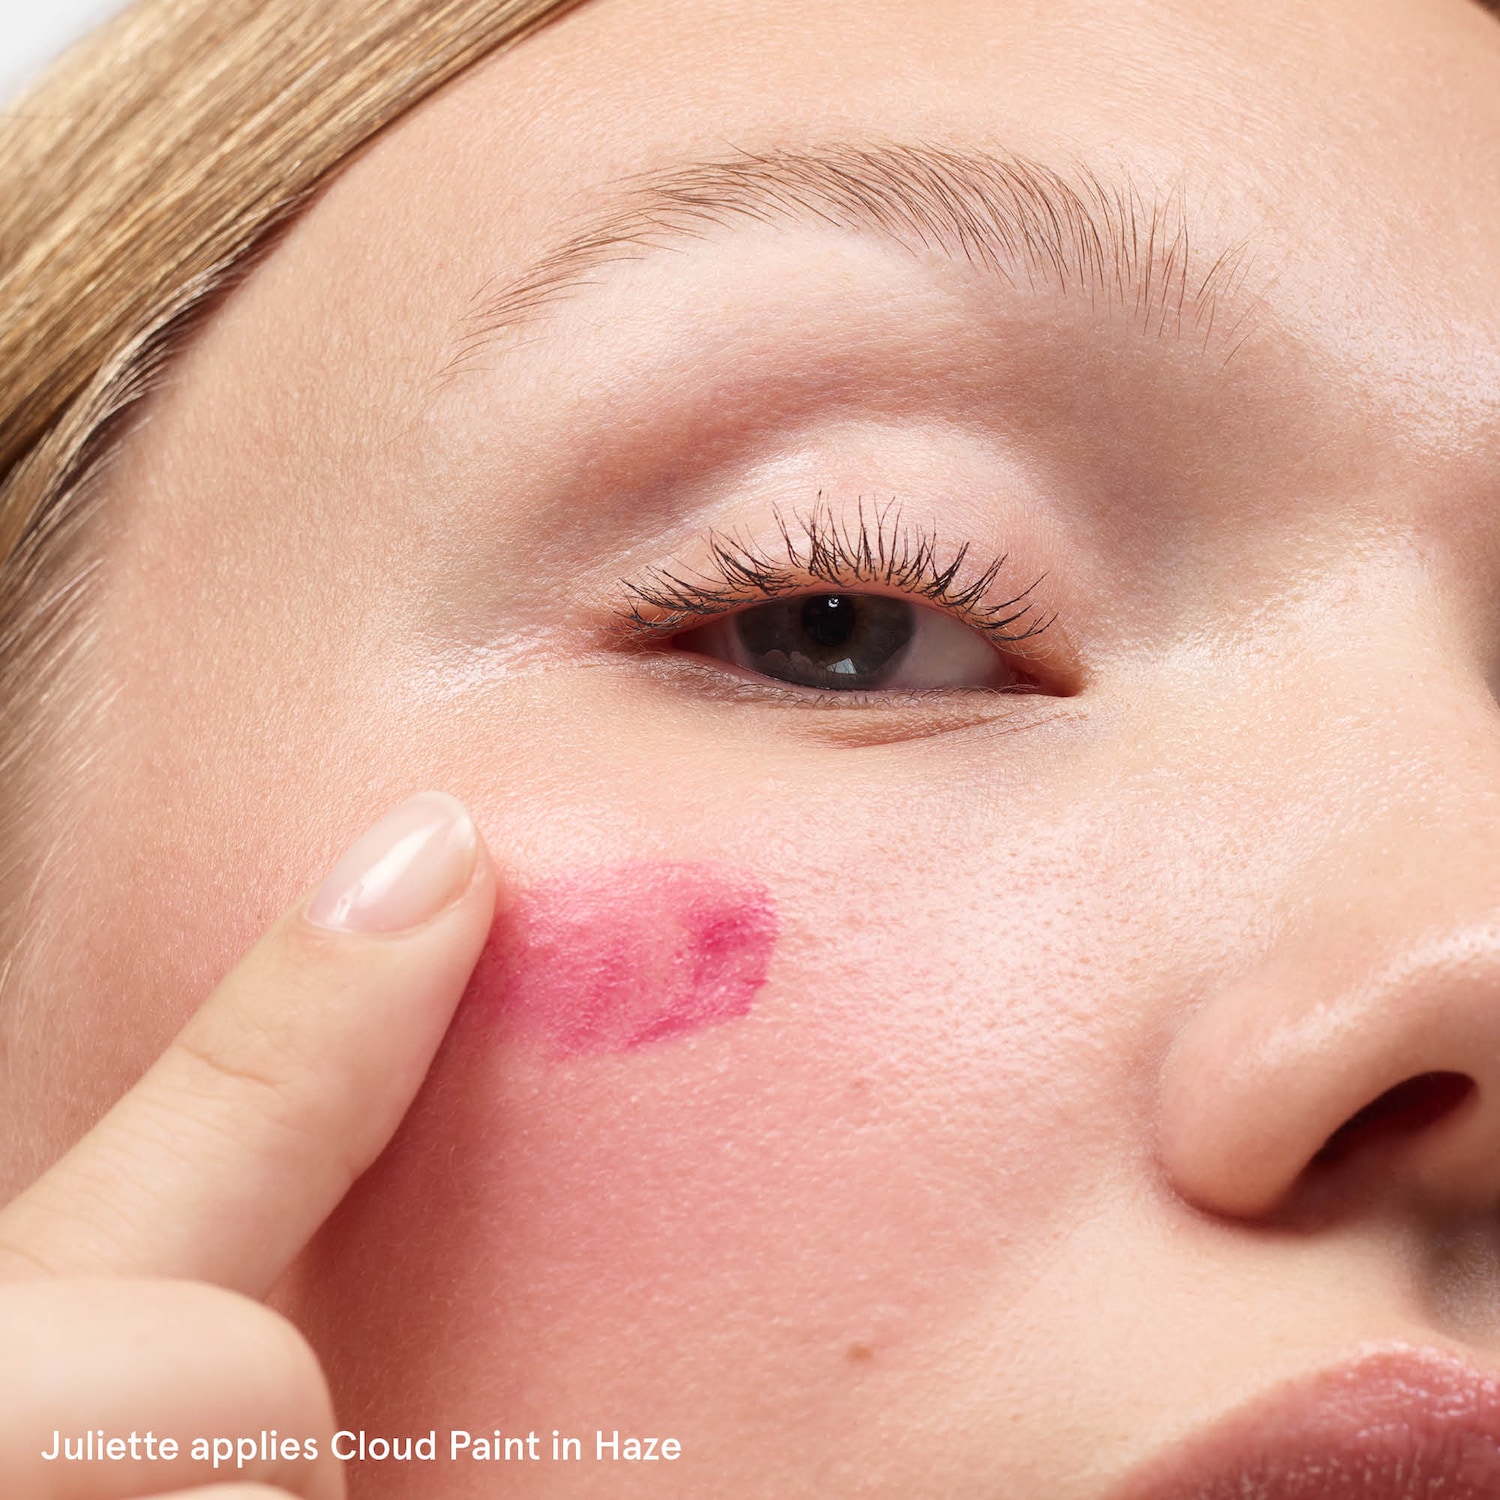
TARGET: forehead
(1351,149)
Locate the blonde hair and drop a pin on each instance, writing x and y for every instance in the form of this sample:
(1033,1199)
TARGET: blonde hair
(137,177)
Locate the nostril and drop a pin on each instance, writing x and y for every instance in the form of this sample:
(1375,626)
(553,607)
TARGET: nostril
(1403,1110)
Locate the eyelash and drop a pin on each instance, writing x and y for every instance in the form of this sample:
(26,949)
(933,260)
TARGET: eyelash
(823,548)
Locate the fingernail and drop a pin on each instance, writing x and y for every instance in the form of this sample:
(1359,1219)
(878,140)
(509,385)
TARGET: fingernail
(400,872)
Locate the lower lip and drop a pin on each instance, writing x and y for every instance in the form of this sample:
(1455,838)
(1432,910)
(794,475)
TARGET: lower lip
(614,959)
(1397,1424)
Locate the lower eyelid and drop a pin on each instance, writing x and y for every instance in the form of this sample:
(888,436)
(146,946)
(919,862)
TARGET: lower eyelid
(845,720)
(725,680)
(729,683)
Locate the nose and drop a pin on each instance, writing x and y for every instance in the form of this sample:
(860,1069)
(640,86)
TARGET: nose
(1331,1047)
(1369,1028)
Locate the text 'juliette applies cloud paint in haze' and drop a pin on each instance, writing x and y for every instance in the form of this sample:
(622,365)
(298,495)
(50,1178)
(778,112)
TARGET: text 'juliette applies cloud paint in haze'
(612,959)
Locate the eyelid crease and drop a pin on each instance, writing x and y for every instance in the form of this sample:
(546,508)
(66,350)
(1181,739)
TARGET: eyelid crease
(821,547)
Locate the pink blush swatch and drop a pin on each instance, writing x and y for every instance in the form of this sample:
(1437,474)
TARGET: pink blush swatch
(615,958)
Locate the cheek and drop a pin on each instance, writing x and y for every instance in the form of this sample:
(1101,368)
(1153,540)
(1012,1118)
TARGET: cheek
(763,1157)
(614,959)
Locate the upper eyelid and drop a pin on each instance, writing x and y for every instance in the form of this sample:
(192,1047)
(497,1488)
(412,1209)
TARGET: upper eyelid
(821,548)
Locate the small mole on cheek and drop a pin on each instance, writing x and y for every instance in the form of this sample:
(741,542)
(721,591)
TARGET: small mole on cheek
(860,1354)
(613,959)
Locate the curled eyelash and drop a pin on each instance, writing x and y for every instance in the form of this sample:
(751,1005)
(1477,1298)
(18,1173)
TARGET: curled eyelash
(877,547)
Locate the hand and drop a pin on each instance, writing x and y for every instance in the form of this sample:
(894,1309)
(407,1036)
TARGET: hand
(130,1272)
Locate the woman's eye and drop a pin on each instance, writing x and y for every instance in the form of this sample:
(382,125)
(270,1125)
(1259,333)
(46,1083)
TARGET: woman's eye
(848,642)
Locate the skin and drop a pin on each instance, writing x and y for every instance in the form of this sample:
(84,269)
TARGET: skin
(1008,1179)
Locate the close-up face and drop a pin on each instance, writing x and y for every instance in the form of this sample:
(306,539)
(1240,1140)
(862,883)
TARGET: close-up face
(953,552)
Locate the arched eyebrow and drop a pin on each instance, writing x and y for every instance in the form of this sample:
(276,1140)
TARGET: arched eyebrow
(1077,231)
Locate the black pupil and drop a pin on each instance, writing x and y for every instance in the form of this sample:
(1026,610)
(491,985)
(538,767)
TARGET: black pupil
(838,641)
(829,619)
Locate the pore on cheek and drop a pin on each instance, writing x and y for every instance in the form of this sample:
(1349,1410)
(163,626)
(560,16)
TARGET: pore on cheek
(616,958)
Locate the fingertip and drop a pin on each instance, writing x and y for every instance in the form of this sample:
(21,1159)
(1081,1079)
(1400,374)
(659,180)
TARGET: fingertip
(403,871)
(485,878)
(291,1077)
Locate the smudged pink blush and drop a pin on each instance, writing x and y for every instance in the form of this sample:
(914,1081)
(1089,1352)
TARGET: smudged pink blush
(617,958)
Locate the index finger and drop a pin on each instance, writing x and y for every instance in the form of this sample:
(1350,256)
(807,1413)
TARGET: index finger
(242,1137)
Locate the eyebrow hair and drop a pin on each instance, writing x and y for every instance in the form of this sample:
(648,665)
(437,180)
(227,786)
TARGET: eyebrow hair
(1078,231)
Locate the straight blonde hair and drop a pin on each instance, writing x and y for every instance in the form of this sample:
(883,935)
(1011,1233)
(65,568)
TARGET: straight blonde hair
(137,177)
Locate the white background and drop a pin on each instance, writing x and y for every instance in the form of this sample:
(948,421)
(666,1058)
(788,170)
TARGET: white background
(33,32)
